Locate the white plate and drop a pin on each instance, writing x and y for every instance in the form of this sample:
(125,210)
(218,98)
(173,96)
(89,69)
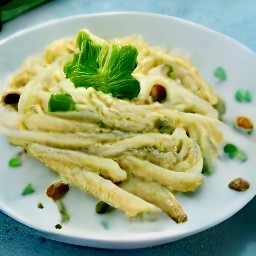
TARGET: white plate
(211,204)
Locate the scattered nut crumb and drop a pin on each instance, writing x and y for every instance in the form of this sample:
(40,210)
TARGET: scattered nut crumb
(58,226)
(57,190)
(239,184)
(40,206)
(158,93)
(244,123)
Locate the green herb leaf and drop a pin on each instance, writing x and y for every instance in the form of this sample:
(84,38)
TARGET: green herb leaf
(243,95)
(61,102)
(14,162)
(220,73)
(105,66)
(234,152)
(28,190)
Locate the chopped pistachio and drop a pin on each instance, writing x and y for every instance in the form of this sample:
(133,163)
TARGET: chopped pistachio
(239,184)
(58,226)
(158,93)
(40,206)
(28,190)
(57,190)
(220,73)
(244,124)
(243,95)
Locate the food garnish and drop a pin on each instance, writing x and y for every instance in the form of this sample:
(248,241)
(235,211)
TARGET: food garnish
(239,184)
(105,66)
(220,73)
(17,160)
(57,191)
(29,189)
(40,206)
(234,152)
(158,93)
(65,217)
(244,124)
(14,162)
(243,95)
(61,102)
(58,226)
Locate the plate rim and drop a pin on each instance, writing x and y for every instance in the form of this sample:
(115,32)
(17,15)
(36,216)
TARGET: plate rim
(129,13)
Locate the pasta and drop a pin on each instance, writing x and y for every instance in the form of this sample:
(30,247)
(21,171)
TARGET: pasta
(134,154)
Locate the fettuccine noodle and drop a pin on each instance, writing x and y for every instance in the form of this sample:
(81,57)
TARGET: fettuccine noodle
(114,148)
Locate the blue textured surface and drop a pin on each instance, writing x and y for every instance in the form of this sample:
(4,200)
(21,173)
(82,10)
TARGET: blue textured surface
(235,236)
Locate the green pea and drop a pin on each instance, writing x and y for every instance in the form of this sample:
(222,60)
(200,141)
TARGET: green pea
(220,73)
(61,102)
(243,95)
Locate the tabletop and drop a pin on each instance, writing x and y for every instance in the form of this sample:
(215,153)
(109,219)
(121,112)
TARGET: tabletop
(236,235)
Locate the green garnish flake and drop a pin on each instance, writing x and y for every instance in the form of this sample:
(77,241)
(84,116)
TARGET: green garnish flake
(234,152)
(207,169)
(220,73)
(58,226)
(243,95)
(164,126)
(101,124)
(65,217)
(220,107)
(105,66)
(14,162)
(28,190)
(61,102)
(102,207)
(40,206)
(170,72)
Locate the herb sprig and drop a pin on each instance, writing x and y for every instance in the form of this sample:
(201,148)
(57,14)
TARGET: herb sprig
(105,66)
